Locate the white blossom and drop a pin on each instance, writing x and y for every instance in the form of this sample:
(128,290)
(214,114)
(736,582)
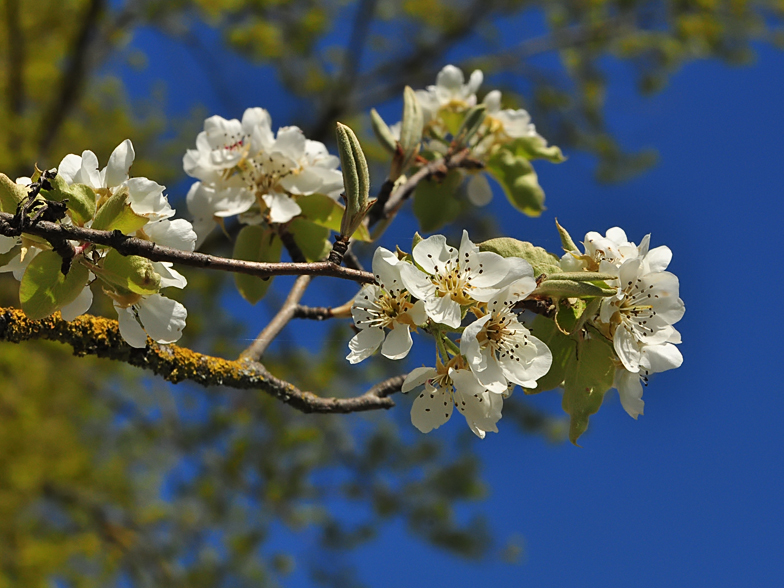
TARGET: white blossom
(451,279)
(145,197)
(499,349)
(447,387)
(606,253)
(449,91)
(246,170)
(643,310)
(385,305)
(513,123)
(159,317)
(653,359)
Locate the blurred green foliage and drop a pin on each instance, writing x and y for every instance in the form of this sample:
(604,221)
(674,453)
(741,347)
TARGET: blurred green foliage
(107,476)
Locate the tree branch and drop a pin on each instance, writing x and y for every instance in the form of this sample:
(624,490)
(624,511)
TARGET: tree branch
(89,335)
(389,201)
(275,326)
(73,79)
(320,313)
(132,246)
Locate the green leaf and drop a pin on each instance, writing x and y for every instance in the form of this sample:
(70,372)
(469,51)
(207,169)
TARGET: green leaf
(116,214)
(312,239)
(44,289)
(535,148)
(519,181)
(8,256)
(567,242)
(435,204)
(561,346)
(570,289)
(11,194)
(81,199)
(256,243)
(584,367)
(382,132)
(588,377)
(324,211)
(541,260)
(132,273)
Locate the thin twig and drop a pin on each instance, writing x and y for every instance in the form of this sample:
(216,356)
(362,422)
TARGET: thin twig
(132,246)
(320,313)
(89,335)
(438,167)
(275,326)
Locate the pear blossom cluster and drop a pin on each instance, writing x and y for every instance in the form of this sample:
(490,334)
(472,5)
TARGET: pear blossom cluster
(448,100)
(437,289)
(639,318)
(148,208)
(244,169)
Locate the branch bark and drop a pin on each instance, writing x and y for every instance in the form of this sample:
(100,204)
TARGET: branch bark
(98,336)
(276,325)
(132,246)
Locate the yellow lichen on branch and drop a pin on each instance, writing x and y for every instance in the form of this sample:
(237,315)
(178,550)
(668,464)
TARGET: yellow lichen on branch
(91,335)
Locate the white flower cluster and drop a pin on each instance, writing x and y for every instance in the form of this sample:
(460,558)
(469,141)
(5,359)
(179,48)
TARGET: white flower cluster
(436,289)
(244,169)
(451,96)
(139,315)
(639,318)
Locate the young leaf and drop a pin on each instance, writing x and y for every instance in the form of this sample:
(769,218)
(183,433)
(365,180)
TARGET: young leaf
(382,132)
(588,377)
(44,289)
(312,239)
(542,261)
(435,204)
(536,148)
(116,214)
(11,194)
(324,211)
(132,273)
(567,242)
(81,199)
(519,181)
(255,243)
(561,346)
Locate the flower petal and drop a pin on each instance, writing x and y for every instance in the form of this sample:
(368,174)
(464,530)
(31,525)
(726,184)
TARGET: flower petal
(398,342)
(432,252)
(282,208)
(147,199)
(130,329)
(416,282)
(364,343)
(431,409)
(177,233)
(162,318)
(386,270)
(79,306)
(630,392)
(417,377)
(443,310)
(478,190)
(120,161)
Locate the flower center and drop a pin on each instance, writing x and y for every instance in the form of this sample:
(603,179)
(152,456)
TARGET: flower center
(453,282)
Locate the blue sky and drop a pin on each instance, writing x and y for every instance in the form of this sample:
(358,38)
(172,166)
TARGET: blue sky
(690,494)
